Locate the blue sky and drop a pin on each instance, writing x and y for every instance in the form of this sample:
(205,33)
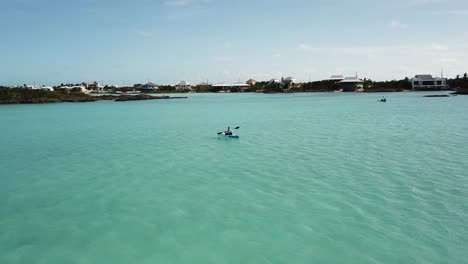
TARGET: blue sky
(117,41)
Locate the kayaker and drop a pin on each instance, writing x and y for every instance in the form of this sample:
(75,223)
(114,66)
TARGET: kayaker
(228,132)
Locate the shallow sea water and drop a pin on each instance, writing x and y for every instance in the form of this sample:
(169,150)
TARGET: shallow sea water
(314,178)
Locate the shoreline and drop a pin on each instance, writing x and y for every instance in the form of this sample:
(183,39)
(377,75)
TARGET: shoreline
(41,97)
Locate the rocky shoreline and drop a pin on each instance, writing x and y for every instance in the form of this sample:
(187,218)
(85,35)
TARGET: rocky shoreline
(23,96)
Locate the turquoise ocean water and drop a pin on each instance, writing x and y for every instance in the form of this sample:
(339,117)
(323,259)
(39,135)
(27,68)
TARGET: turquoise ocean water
(314,178)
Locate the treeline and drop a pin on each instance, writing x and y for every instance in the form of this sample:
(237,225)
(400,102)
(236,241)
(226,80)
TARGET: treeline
(267,87)
(459,83)
(331,86)
(67,84)
(317,86)
(387,86)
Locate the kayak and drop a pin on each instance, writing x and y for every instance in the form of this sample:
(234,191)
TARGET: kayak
(229,136)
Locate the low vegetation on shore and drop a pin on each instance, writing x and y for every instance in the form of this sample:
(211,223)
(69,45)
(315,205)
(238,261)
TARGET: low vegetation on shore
(38,96)
(27,96)
(459,83)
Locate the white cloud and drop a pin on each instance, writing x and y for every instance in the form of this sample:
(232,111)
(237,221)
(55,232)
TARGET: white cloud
(395,24)
(425,2)
(276,55)
(385,61)
(303,46)
(143,33)
(437,47)
(463,12)
(178,2)
(223,58)
(185,2)
(418,48)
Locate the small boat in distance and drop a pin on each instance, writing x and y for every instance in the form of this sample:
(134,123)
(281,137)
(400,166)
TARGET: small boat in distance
(228,133)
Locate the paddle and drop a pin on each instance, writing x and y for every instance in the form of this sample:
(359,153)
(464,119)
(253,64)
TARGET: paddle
(219,133)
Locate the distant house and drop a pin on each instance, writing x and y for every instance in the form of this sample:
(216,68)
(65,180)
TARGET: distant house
(352,84)
(427,82)
(79,88)
(183,86)
(43,87)
(251,82)
(149,87)
(222,87)
(240,86)
(47,88)
(94,86)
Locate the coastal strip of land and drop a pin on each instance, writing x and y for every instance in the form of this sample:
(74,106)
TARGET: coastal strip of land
(26,96)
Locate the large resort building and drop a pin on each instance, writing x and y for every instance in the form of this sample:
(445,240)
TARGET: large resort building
(348,84)
(427,82)
(352,84)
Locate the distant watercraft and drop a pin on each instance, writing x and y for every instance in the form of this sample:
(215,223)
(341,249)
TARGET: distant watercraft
(228,133)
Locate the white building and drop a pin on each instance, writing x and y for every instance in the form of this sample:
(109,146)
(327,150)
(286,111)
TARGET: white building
(227,87)
(183,86)
(427,82)
(149,87)
(240,86)
(47,88)
(95,86)
(222,87)
(81,88)
(352,84)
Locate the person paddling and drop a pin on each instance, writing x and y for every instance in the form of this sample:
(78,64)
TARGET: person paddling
(228,132)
